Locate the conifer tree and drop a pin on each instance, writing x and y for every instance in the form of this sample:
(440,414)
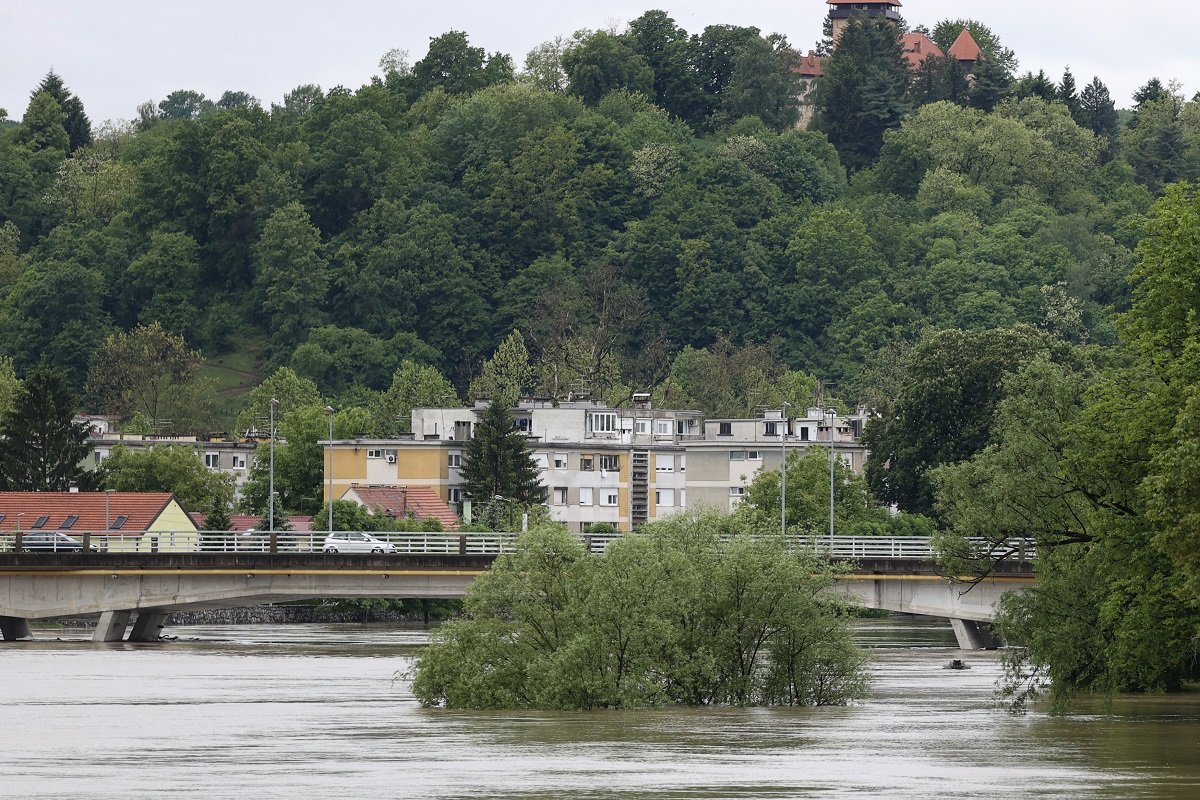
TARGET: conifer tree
(1100,115)
(41,447)
(864,91)
(1069,97)
(992,84)
(77,124)
(498,463)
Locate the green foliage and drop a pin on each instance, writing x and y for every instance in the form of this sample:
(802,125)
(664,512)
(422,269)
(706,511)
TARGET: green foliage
(864,90)
(147,371)
(673,614)
(284,385)
(165,468)
(730,382)
(506,376)
(855,511)
(292,275)
(41,448)
(10,385)
(945,406)
(498,462)
(603,63)
(413,386)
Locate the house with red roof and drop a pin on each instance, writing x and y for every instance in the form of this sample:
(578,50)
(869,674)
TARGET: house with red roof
(918,48)
(966,50)
(414,502)
(122,521)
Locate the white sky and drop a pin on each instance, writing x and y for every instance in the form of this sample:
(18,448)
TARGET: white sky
(115,54)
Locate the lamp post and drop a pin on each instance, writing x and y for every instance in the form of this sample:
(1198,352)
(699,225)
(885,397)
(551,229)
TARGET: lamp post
(271,469)
(831,412)
(783,472)
(329,412)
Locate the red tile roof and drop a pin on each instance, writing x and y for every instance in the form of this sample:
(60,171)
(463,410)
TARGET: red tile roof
(417,501)
(965,47)
(810,66)
(918,47)
(92,508)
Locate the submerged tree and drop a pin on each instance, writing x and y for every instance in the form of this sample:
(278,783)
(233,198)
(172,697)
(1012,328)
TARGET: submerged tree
(675,613)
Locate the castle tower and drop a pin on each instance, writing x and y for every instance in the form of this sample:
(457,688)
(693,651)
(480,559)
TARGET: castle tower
(966,50)
(841,12)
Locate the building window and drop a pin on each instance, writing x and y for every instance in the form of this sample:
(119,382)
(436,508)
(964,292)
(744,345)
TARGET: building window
(585,496)
(641,426)
(754,455)
(737,455)
(664,497)
(524,424)
(662,427)
(542,460)
(375,453)
(664,463)
(586,464)
(559,497)
(560,460)
(683,498)
(603,422)
(804,434)
(100,455)
(454,460)
(608,498)
(737,491)
(239,461)
(770,429)
(455,494)
(212,460)
(610,463)
(725,429)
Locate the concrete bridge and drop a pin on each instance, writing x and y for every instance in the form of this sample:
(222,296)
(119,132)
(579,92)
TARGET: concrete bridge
(146,587)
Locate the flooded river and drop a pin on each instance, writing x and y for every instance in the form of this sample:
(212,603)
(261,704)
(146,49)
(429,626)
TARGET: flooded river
(316,711)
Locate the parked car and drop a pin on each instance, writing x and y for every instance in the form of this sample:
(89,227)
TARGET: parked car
(355,542)
(50,541)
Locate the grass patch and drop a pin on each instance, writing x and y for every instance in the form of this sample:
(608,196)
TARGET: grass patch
(233,375)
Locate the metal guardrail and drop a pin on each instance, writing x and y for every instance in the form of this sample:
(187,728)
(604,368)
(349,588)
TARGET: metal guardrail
(438,543)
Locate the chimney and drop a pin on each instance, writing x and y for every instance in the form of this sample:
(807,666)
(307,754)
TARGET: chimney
(404,501)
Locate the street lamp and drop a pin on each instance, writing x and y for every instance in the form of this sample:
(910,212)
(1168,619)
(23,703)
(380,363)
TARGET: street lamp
(831,412)
(329,412)
(271,499)
(783,472)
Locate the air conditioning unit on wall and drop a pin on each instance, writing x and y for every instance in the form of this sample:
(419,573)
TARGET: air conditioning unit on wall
(391,459)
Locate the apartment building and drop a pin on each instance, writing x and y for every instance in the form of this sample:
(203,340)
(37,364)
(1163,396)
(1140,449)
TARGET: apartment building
(624,467)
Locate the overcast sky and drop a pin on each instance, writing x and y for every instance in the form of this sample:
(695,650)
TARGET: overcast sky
(115,54)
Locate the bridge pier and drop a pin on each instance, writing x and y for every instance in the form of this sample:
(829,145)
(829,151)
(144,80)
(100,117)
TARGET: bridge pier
(111,627)
(148,626)
(974,635)
(14,629)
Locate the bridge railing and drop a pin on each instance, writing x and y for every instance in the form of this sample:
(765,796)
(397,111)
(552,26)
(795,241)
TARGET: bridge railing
(443,543)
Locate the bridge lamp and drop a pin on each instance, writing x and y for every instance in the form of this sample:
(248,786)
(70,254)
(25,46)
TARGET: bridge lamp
(329,413)
(832,415)
(783,471)
(271,500)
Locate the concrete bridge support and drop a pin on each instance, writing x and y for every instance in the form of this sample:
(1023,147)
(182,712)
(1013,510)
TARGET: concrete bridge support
(148,626)
(112,625)
(974,635)
(14,629)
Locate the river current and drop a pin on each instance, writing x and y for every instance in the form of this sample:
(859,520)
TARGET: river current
(323,711)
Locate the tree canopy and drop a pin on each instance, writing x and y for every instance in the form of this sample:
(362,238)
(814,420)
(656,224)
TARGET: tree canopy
(672,614)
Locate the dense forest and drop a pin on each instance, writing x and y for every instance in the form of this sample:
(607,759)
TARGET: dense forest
(1004,268)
